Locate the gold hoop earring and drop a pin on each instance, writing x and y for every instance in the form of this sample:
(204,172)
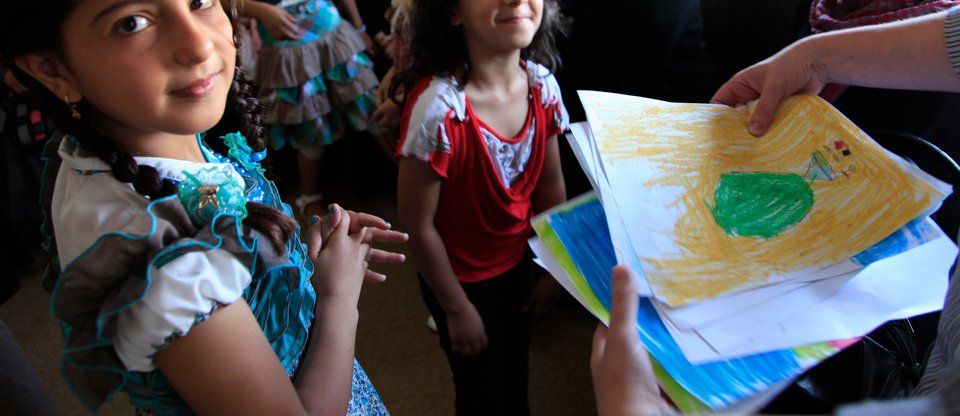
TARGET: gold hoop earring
(73,108)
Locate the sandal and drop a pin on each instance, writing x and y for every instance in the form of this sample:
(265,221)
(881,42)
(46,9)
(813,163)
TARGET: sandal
(304,201)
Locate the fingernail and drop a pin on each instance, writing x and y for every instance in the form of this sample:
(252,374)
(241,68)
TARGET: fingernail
(314,219)
(387,222)
(332,219)
(754,129)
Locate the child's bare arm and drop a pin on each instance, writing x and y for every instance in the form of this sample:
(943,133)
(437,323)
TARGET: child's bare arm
(280,24)
(349,10)
(551,189)
(224,365)
(418,192)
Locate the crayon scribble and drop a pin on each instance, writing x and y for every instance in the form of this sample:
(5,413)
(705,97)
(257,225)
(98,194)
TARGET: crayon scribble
(673,156)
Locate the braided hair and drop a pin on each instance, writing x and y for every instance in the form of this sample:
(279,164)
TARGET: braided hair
(43,21)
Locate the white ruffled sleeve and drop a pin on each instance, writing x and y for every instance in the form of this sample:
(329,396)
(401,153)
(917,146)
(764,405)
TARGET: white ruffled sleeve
(182,293)
(432,105)
(550,98)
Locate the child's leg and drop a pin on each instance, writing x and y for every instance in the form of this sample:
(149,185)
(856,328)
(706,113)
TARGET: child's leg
(493,382)
(508,333)
(308,164)
(473,376)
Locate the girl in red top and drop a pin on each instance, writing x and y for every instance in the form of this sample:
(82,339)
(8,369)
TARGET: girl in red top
(478,157)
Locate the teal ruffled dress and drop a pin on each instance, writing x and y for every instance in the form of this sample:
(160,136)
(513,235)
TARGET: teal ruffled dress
(115,273)
(319,87)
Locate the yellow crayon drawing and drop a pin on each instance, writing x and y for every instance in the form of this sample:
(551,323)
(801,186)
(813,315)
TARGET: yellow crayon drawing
(812,192)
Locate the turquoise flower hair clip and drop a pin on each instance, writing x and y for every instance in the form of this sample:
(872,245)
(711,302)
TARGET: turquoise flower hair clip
(242,153)
(211,192)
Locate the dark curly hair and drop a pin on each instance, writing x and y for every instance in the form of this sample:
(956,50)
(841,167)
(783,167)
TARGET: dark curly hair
(437,47)
(35,26)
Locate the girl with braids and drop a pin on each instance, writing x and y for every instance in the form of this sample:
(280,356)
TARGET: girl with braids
(184,282)
(479,156)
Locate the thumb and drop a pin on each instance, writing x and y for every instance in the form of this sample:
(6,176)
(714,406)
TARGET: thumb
(626,302)
(765,109)
(598,347)
(331,221)
(314,238)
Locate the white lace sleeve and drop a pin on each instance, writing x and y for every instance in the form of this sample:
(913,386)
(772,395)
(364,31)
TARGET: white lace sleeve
(425,132)
(182,293)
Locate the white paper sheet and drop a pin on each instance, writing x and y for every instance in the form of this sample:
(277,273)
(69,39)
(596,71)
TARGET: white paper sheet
(581,141)
(701,314)
(905,285)
(909,284)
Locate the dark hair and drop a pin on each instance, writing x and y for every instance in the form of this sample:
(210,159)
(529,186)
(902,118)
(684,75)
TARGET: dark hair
(437,47)
(35,26)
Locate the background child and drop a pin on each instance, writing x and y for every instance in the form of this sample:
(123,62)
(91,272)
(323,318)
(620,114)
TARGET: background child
(184,282)
(394,45)
(24,130)
(479,158)
(315,80)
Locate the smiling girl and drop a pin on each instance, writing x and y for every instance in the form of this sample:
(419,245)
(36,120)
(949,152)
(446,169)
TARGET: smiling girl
(479,156)
(182,279)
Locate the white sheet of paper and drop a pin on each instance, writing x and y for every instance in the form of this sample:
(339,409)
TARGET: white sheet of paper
(688,317)
(755,320)
(909,284)
(708,312)
(581,140)
(905,285)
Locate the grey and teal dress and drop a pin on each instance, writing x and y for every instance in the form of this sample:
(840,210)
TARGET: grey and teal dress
(138,273)
(319,87)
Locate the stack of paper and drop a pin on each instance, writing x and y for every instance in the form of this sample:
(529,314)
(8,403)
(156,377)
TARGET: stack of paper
(758,257)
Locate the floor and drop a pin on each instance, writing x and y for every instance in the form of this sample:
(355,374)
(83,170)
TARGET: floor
(400,354)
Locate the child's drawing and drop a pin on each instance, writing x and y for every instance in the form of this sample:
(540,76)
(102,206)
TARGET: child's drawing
(719,210)
(760,204)
(763,204)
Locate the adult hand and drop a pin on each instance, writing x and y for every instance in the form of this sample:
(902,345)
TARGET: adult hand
(793,70)
(623,378)
(467,333)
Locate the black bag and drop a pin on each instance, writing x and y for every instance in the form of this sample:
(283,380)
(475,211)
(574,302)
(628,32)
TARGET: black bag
(885,364)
